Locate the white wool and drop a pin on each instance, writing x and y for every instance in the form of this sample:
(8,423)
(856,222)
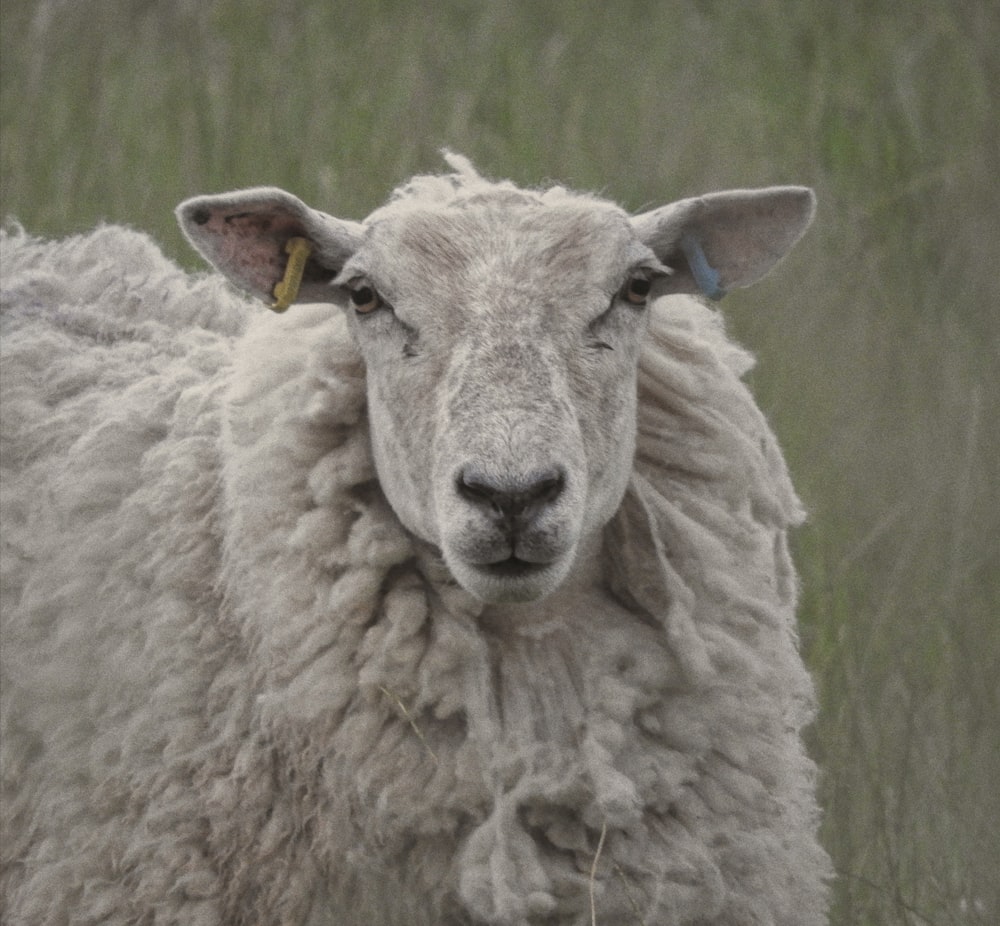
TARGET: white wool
(466,185)
(237,691)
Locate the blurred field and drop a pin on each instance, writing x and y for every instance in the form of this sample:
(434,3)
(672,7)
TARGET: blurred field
(879,340)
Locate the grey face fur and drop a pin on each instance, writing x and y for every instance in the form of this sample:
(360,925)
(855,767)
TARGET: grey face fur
(501,332)
(501,346)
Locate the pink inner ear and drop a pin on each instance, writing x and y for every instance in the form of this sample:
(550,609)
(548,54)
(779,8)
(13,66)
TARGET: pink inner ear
(251,245)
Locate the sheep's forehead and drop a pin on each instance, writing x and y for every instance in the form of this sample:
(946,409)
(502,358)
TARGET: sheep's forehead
(512,237)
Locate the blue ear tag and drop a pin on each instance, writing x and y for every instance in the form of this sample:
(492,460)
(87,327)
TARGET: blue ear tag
(704,275)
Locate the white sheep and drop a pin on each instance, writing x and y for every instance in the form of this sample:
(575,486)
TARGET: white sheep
(458,595)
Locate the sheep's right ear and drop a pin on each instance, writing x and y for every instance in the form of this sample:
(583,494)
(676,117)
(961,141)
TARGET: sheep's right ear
(245,235)
(724,240)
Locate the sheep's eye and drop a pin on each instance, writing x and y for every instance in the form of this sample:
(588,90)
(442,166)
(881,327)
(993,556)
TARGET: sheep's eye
(636,290)
(365,300)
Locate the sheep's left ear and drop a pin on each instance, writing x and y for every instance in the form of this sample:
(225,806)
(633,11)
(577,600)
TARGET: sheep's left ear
(265,239)
(724,240)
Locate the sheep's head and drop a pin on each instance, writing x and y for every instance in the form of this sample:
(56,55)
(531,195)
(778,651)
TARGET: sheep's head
(501,332)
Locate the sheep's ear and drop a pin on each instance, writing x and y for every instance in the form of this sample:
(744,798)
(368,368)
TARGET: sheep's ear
(246,236)
(724,240)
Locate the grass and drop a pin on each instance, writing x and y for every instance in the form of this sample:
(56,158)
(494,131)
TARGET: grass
(879,340)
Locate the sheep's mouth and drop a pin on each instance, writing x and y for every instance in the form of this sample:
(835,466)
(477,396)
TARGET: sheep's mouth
(514,568)
(510,579)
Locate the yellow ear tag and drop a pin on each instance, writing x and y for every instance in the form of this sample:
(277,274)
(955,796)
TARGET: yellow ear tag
(285,291)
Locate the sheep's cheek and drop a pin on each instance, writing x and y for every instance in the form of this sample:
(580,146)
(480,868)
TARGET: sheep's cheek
(402,460)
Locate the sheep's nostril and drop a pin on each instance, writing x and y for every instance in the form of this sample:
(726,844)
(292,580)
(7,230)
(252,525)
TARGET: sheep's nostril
(516,500)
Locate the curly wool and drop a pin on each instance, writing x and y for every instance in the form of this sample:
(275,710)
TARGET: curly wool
(237,691)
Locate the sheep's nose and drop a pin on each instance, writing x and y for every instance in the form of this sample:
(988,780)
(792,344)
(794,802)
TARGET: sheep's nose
(516,501)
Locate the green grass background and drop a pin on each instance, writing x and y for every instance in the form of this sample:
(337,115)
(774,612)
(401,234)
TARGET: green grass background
(879,339)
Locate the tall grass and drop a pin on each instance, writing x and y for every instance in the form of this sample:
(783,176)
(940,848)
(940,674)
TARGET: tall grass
(879,340)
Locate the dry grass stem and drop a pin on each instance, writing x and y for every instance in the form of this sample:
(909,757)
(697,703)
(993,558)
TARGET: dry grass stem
(410,720)
(593,873)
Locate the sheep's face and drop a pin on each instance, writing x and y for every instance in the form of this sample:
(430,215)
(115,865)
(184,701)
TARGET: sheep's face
(501,331)
(501,342)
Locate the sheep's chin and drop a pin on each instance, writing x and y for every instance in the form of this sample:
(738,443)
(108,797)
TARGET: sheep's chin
(510,583)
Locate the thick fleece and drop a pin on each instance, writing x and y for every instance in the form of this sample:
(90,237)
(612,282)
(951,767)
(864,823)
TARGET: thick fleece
(236,691)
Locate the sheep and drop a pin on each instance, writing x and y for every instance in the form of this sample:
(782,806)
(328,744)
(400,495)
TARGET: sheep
(457,593)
